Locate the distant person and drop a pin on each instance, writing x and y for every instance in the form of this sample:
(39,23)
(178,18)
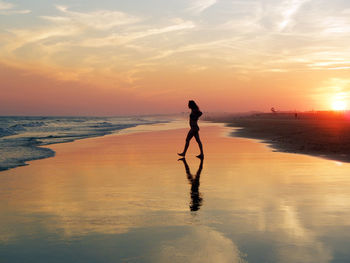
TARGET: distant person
(194,131)
(196,199)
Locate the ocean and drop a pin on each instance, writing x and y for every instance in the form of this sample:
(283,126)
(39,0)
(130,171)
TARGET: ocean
(23,138)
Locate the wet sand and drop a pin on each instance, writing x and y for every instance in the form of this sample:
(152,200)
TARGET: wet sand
(321,134)
(126,198)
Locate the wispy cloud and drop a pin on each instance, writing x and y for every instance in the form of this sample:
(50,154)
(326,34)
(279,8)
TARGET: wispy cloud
(254,35)
(97,41)
(76,25)
(102,19)
(198,6)
(5,5)
(9,9)
(289,9)
(127,37)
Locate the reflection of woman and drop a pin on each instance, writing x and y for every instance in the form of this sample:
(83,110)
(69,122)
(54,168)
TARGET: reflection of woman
(194,131)
(196,199)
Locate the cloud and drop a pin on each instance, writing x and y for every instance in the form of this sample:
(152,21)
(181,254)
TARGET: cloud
(23,37)
(8,9)
(101,19)
(65,30)
(205,47)
(15,12)
(127,37)
(198,6)
(5,5)
(254,35)
(280,16)
(330,65)
(289,9)
(334,25)
(72,24)
(100,41)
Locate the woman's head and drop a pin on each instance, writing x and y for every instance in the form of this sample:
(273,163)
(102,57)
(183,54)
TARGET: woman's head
(192,105)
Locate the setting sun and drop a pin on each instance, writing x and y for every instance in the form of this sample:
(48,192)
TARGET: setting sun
(339,105)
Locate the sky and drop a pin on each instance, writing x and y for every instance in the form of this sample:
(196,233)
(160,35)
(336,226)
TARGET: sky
(108,57)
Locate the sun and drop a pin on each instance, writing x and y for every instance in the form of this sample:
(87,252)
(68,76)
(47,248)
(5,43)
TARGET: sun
(339,105)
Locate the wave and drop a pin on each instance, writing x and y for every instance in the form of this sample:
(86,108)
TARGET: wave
(22,138)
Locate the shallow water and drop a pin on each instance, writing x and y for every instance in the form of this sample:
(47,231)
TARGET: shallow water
(126,198)
(21,136)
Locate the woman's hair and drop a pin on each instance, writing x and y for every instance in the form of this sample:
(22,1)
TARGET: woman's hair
(192,105)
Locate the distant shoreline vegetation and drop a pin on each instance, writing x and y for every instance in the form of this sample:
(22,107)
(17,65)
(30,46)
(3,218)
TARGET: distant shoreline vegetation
(22,138)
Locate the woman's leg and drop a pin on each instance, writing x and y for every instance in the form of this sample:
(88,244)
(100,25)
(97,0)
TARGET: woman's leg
(196,135)
(188,139)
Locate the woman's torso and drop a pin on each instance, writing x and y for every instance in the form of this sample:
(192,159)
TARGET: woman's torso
(194,116)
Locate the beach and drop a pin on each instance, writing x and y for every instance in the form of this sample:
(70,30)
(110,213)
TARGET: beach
(100,100)
(127,198)
(324,134)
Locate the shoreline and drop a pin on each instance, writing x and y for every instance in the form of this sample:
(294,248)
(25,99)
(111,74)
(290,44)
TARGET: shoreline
(326,138)
(33,149)
(45,151)
(321,136)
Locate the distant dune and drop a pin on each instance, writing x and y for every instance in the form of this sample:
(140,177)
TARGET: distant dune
(325,134)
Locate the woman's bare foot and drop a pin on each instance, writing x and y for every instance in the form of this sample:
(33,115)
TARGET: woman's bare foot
(201,156)
(181,154)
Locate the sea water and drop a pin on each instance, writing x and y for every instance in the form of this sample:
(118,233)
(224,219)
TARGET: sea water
(22,138)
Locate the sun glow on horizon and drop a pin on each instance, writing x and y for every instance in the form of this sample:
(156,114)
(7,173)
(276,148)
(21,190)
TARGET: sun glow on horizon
(339,105)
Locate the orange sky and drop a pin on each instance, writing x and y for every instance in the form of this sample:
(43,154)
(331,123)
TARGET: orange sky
(131,58)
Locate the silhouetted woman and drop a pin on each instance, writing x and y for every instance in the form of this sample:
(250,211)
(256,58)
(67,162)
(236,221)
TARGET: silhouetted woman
(194,131)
